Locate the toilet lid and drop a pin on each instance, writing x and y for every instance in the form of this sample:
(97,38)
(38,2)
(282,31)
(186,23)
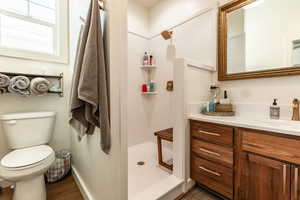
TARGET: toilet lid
(26,156)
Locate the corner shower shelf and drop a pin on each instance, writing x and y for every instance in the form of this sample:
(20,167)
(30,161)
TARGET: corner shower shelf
(148,66)
(149,93)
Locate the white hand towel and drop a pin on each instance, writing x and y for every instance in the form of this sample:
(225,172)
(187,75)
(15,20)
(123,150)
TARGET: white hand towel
(21,82)
(4,80)
(19,85)
(39,86)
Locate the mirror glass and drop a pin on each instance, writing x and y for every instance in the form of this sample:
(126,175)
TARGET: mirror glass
(263,35)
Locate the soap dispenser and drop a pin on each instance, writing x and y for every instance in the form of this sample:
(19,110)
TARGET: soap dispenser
(275,110)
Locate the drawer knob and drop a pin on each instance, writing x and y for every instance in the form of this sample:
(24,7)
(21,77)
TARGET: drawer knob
(209,133)
(284,178)
(210,152)
(209,171)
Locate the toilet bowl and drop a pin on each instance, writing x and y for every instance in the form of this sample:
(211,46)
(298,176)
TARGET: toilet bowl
(27,135)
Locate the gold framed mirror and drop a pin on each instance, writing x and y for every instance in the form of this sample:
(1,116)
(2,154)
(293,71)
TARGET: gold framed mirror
(258,39)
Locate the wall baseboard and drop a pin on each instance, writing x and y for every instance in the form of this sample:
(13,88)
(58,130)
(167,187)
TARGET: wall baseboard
(81,185)
(189,184)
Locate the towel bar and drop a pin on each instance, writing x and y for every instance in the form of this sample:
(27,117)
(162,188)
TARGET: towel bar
(59,77)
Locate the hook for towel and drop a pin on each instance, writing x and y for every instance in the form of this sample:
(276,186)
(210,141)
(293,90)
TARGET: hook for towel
(101,4)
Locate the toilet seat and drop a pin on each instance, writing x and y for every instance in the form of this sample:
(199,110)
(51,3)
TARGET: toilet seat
(16,174)
(25,158)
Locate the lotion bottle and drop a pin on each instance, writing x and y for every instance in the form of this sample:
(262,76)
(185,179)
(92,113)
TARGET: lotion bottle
(226,100)
(275,110)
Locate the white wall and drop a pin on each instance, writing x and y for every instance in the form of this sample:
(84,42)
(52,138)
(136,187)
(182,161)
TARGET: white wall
(168,13)
(195,39)
(139,106)
(160,115)
(105,176)
(263,91)
(138,18)
(12,103)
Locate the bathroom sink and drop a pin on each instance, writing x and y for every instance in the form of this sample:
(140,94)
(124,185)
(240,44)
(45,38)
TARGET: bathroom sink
(280,123)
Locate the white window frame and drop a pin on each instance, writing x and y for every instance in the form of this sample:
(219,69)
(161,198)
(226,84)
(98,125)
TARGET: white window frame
(61,37)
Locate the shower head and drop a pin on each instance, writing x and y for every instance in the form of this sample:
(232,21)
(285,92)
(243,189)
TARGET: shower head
(167,34)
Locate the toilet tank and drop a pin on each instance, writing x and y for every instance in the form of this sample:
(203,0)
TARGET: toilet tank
(28,129)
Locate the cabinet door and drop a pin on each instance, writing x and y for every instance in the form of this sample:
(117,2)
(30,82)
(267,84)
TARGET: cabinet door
(295,182)
(262,178)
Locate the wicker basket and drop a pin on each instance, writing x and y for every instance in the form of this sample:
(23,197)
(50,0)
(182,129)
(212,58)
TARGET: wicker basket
(61,167)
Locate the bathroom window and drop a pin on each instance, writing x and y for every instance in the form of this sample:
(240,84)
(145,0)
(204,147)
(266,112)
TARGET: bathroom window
(34,29)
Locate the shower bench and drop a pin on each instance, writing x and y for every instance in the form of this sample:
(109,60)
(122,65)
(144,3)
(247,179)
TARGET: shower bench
(167,135)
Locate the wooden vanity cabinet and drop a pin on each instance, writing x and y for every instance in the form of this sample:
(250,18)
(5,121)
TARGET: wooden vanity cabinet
(268,166)
(245,164)
(212,162)
(263,178)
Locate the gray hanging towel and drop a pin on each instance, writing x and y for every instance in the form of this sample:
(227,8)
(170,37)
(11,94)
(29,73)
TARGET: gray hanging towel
(90,93)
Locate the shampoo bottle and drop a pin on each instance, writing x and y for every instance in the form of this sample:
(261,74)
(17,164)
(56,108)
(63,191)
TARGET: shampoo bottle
(145,59)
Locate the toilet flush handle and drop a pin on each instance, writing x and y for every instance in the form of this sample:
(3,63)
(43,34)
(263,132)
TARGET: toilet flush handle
(11,122)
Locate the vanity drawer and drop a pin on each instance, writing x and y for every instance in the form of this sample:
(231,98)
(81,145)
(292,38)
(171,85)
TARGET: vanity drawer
(212,175)
(216,153)
(267,144)
(214,133)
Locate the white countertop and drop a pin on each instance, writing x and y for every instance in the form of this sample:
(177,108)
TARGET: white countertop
(279,126)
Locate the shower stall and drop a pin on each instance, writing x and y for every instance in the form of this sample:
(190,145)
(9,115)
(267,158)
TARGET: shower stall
(183,50)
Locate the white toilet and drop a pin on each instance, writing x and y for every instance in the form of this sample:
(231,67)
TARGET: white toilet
(27,135)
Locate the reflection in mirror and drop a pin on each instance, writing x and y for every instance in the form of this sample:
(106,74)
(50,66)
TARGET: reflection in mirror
(263,35)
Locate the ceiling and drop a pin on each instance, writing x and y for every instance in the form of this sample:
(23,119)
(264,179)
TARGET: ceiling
(147,3)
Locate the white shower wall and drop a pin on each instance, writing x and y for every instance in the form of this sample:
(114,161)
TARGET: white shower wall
(138,107)
(195,39)
(138,18)
(168,13)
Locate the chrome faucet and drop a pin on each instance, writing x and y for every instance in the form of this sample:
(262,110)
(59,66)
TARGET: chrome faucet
(296,115)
